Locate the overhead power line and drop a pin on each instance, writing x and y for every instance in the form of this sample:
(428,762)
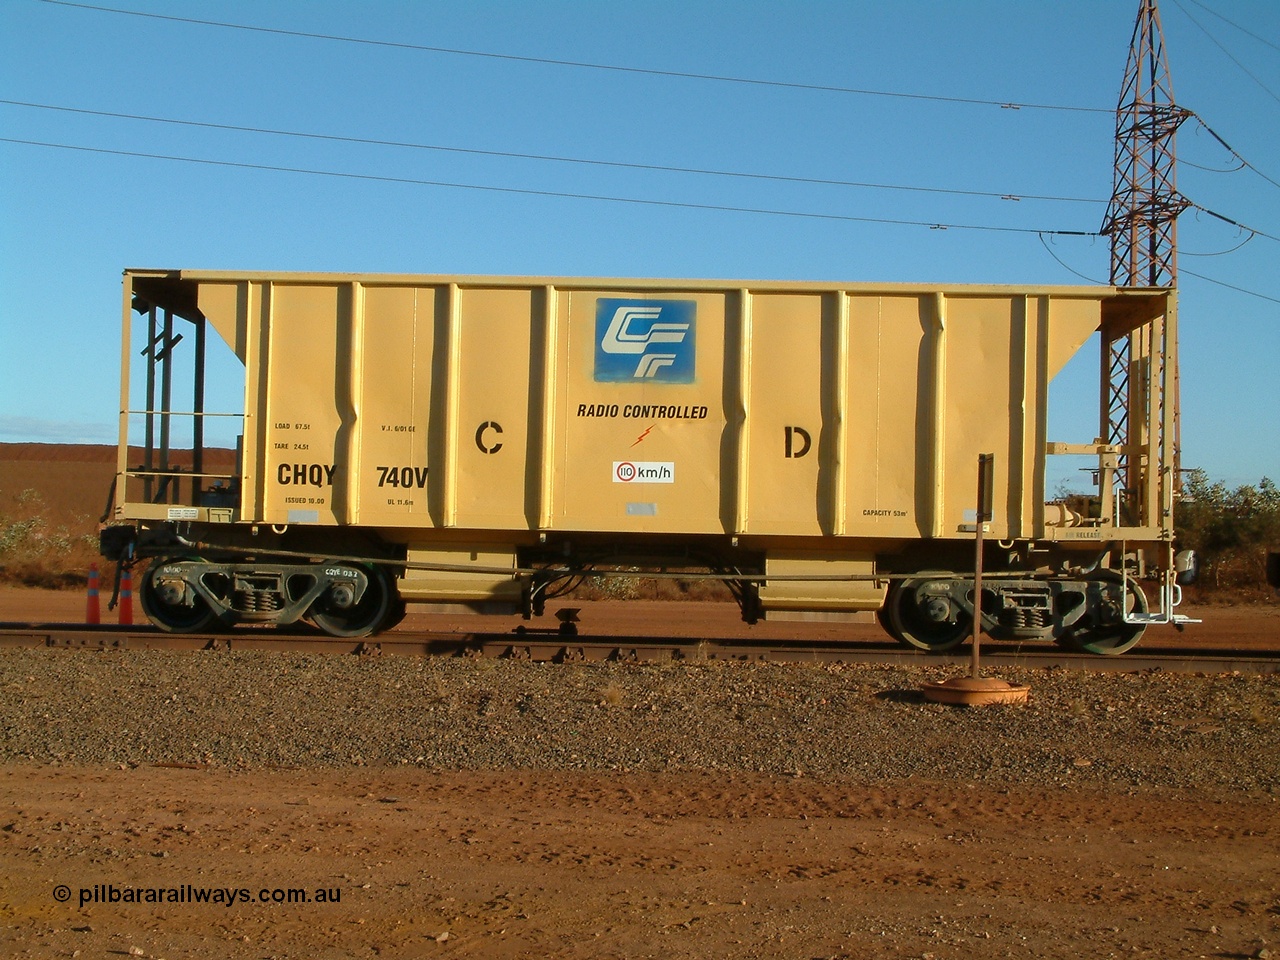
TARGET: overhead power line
(1218,253)
(507,154)
(1231,150)
(1212,39)
(1244,30)
(1230,286)
(934,225)
(1234,223)
(582,64)
(1182,270)
(1070,269)
(529,191)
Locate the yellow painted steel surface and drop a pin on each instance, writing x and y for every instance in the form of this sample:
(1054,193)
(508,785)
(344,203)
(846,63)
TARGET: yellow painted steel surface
(777,410)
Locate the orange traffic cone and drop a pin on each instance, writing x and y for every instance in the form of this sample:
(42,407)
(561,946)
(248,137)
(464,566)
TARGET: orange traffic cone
(92,613)
(126,597)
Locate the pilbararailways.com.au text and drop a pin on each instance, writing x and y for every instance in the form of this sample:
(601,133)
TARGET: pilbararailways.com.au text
(107,893)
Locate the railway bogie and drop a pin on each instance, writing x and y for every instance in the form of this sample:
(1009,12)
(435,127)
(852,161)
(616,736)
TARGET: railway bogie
(936,612)
(188,594)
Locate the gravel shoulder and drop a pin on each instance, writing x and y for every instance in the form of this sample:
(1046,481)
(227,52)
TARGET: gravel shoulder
(850,722)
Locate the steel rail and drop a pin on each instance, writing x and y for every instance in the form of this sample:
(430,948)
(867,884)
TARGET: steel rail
(550,645)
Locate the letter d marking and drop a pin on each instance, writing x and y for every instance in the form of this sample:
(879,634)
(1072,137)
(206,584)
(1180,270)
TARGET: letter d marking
(805,441)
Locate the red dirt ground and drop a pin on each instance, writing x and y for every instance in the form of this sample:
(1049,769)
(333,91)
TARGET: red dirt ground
(519,864)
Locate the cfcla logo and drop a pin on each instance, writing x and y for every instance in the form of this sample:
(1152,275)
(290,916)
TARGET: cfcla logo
(649,340)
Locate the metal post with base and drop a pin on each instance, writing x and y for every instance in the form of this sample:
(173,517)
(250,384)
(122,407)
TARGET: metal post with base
(976,690)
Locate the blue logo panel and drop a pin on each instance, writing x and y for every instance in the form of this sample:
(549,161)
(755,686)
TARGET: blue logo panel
(645,341)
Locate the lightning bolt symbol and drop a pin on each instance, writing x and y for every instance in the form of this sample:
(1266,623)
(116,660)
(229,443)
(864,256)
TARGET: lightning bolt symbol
(647,431)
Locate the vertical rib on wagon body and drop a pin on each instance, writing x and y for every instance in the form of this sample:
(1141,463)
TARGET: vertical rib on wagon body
(477,439)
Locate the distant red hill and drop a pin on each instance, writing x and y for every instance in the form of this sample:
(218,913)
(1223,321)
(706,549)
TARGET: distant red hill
(72,480)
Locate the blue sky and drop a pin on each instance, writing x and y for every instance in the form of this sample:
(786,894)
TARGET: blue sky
(70,221)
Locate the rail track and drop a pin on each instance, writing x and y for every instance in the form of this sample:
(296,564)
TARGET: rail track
(551,645)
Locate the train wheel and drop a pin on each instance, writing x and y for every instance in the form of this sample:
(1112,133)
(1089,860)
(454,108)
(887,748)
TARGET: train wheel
(882,618)
(1113,636)
(170,603)
(395,613)
(923,618)
(339,619)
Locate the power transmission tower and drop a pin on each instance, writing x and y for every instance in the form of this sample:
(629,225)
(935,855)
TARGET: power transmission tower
(1141,220)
